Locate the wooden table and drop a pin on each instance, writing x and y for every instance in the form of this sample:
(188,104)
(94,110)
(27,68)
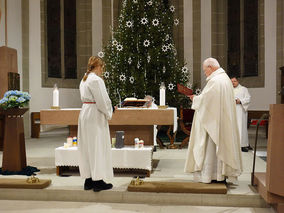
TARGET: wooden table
(135,122)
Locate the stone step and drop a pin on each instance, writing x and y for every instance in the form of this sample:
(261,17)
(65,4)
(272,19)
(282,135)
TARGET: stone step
(116,196)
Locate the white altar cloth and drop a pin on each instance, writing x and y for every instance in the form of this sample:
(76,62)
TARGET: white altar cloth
(125,158)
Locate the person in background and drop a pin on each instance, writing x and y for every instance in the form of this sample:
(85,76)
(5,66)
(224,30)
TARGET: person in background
(95,160)
(214,152)
(150,102)
(242,98)
(151,105)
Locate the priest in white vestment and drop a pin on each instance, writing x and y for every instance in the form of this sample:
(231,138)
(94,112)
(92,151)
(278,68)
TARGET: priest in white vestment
(242,98)
(95,160)
(214,152)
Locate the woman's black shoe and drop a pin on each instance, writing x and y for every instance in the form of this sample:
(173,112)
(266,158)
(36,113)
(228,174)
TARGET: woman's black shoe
(249,148)
(88,184)
(222,181)
(107,184)
(245,149)
(100,185)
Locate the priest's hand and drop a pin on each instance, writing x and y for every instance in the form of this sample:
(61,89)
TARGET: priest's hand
(191,97)
(238,101)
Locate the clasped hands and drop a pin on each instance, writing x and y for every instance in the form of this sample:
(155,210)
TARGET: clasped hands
(238,101)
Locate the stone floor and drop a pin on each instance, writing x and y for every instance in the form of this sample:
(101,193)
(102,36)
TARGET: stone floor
(169,167)
(9,206)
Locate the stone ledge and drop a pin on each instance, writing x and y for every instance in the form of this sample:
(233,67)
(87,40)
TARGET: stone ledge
(116,196)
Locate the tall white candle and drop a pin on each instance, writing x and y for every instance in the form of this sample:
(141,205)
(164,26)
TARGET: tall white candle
(162,95)
(55,102)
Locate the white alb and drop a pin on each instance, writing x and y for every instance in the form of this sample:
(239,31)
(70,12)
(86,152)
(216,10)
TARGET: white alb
(243,95)
(94,144)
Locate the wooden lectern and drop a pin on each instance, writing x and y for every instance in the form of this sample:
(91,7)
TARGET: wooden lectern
(14,153)
(270,185)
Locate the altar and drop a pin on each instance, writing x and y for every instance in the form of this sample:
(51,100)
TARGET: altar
(135,122)
(127,158)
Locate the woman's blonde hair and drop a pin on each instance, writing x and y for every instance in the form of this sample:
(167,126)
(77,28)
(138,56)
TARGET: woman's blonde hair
(94,61)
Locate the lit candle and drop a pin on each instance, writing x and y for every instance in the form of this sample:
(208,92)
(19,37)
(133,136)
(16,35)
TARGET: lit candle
(55,96)
(162,94)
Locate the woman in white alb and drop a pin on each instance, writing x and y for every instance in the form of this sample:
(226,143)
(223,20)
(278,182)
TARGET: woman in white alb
(95,162)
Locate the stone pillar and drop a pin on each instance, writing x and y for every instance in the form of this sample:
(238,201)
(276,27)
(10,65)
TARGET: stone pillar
(219,31)
(205,35)
(97,27)
(188,34)
(196,30)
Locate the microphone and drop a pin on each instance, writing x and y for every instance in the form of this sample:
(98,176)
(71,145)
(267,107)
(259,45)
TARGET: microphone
(119,98)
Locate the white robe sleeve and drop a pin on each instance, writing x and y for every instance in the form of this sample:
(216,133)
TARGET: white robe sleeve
(209,93)
(196,102)
(245,99)
(101,97)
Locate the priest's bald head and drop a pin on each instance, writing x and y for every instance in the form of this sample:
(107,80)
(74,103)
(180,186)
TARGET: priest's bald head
(210,65)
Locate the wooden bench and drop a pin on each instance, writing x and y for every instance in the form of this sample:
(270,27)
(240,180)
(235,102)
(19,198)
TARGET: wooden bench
(254,115)
(35,124)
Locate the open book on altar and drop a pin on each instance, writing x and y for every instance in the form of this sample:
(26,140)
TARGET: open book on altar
(184,90)
(133,102)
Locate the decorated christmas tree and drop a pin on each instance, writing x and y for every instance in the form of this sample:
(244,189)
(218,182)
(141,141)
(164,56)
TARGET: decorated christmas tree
(141,54)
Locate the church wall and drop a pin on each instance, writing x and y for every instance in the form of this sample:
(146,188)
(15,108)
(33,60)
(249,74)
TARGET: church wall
(14,28)
(259,80)
(97,26)
(42,97)
(262,97)
(2,23)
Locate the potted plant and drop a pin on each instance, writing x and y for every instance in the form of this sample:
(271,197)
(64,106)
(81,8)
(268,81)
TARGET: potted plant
(14,99)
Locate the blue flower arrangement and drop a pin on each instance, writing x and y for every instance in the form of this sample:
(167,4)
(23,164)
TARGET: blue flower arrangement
(14,99)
